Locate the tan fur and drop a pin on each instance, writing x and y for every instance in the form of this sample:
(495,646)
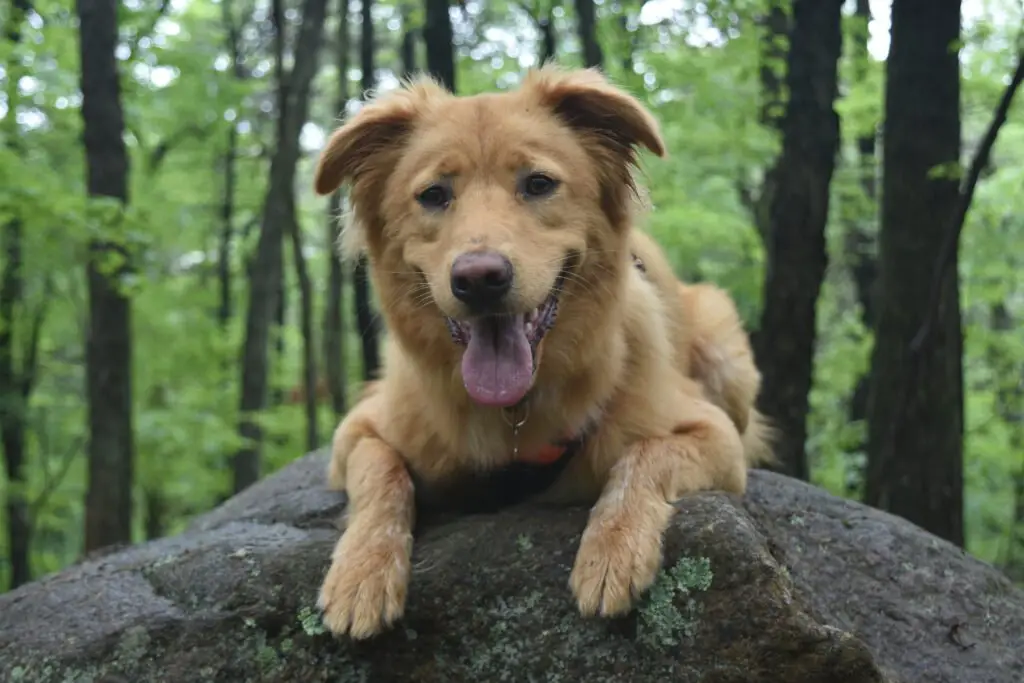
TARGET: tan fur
(664,367)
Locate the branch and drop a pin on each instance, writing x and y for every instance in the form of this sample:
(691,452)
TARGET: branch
(162,148)
(967,189)
(30,364)
(161,12)
(51,483)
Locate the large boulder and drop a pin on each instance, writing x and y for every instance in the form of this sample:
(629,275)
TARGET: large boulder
(786,585)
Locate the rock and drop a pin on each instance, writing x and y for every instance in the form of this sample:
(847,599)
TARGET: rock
(788,584)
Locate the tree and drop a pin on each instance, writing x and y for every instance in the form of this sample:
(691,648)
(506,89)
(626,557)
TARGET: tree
(278,215)
(108,512)
(366,320)
(17,381)
(334,332)
(440,42)
(586,28)
(797,211)
(916,401)
(915,431)
(859,239)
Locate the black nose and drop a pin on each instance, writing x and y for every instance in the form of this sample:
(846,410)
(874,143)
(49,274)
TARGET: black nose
(481,279)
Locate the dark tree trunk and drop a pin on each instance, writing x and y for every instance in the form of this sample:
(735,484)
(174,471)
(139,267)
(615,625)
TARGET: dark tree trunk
(774,26)
(797,212)
(365,318)
(439,40)
(227,217)
(586,28)
(108,510)
(915,425)
(13,406)
(277,392)
(278,213)
(225,309)
(548,43)
(408,52)
(309,373)
(334,331)
(15,385)
(859,239)
(156,514)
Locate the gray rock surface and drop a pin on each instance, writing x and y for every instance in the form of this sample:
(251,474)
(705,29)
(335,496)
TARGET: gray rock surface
(788,584)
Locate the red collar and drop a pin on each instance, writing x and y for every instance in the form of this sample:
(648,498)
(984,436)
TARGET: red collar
(554,451)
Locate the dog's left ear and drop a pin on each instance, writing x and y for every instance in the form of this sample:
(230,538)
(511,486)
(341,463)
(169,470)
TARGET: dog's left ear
(593,106)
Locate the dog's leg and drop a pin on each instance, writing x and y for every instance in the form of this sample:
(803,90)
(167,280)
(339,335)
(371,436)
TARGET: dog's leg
(620,551)
(365,589)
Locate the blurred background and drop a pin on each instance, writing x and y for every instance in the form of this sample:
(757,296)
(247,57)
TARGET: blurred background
(175,325)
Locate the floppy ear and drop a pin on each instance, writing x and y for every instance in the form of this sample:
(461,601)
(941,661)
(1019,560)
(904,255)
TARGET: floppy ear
(591,105)
(379,128)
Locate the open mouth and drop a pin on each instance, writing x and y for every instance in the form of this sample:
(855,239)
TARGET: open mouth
(500,357)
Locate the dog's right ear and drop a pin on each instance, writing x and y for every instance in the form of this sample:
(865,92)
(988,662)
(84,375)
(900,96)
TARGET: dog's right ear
(378,128)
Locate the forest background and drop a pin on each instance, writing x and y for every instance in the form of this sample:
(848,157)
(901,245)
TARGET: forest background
(175,324)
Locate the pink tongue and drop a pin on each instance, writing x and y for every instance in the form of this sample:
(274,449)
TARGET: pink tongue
(497,366)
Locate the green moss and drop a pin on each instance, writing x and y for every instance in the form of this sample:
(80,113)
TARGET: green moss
(311,622)
(670,612)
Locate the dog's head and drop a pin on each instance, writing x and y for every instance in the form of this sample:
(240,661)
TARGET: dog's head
(494,209)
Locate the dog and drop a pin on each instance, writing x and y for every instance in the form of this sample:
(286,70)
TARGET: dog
(528,317)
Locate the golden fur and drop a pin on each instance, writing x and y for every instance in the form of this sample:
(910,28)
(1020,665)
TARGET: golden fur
(663,367)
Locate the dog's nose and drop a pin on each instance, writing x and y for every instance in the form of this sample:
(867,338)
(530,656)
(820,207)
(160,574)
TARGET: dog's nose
(481,278)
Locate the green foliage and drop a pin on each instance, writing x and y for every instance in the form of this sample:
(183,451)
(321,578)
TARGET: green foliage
(696,65)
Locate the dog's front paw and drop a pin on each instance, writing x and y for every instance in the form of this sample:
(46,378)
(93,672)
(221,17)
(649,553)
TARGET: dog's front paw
(618,559)
(365,588)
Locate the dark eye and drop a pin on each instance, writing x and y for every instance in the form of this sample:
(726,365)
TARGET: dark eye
(435,197)
(538,185)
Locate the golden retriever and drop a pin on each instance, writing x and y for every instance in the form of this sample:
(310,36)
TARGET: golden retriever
(523,307)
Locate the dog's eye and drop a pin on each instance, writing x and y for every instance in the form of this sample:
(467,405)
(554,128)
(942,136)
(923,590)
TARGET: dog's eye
(538,185)
(435,197)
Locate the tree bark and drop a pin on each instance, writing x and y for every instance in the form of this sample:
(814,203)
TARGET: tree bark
(408,51)
(859,240)
(15,384)
(586,28)
(108,512)
(915,420)
(365,318)
(334,331)
(267,270)
(795,238)
(309,373)
(440,42)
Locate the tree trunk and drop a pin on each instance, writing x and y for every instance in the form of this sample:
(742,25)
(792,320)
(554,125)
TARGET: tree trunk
(859,239)
(227,217)
(334,332)
(408,51)
(797,212)
(586,28)
(915,420)
(309,373)
(267,270)
(549,43)
(15,387)
(108,510)
(439,40)
(365,318)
